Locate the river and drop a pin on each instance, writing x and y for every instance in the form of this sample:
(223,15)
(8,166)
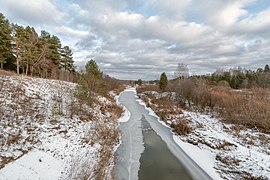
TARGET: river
(147,150)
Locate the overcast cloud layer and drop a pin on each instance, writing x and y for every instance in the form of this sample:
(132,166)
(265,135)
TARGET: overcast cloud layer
(141,39)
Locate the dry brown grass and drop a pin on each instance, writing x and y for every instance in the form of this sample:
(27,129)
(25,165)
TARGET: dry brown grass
(223,145)
(182,127)
(13,138)
(227,160)
(107,134)
(5,160)
(120,88)
(7,73)
(149,87)
(250,108)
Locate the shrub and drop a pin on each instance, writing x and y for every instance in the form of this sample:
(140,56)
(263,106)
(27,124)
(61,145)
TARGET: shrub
(145,88)
(182,127)
(245,107)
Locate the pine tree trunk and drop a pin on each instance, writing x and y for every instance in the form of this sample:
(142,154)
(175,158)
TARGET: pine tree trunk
(17,58)
(27,66)
(31,70)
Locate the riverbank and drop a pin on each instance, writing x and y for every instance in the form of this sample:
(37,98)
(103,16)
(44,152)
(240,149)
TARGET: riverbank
(231,151)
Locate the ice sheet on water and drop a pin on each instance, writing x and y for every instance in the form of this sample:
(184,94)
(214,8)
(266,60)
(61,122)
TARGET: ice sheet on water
(129,152)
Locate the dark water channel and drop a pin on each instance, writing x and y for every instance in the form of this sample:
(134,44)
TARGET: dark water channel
(157,162)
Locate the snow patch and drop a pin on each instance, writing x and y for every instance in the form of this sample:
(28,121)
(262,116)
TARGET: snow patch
(205,159)
(33,165)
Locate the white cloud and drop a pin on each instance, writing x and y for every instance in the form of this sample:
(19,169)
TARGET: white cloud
(153,36)
(175,9)
(69,32)
(227,13)
(36,12)
(257,25)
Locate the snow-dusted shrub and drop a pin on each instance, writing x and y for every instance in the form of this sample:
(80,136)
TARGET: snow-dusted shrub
(182,127)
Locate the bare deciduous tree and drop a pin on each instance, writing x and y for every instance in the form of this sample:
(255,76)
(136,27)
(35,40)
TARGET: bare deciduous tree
(182,71)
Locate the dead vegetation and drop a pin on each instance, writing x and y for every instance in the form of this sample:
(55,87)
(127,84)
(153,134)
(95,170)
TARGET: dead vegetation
(6,73)
(166,109)
(182,127)
(227,160)
(250,108)
(246,108)
(106,133)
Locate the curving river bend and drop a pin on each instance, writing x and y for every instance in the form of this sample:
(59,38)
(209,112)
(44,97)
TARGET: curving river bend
(147,150)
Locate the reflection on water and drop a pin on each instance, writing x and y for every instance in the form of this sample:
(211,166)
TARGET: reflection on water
(157,162)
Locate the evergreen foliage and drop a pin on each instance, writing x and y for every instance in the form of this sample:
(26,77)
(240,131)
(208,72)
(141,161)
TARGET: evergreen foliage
(163,82)
(92,69)
(266,68)
(5,41)
(91,81)
(67,62)
(139,82)
(241,78)
(21,48)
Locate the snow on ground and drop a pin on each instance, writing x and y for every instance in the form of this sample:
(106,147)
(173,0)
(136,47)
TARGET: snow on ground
(45,167)
(42,119)
(202,157)
(126,115)
(233,151)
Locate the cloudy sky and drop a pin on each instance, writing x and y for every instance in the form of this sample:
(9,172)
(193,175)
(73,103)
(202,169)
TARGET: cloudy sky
(132,39)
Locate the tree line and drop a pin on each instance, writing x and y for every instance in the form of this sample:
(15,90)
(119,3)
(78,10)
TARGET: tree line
(239,77)
(23,50)
(235,78)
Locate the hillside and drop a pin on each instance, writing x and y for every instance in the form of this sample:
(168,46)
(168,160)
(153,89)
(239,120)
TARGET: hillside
(44,127)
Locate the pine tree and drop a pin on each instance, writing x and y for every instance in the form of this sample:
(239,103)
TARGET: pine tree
(139,82)
(266,68)
(163,82)
(31,49)
(5,41)
(67,62)
(94,78)
(92,69)
(54,50)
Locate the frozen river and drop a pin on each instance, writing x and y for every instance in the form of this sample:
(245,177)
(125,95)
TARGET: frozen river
(147,149)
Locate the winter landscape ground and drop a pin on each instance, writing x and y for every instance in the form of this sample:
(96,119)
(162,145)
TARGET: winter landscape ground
(46,128)
(47,133)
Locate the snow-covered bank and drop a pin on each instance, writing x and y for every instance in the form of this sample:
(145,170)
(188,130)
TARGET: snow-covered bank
(43,119)
(126,115)
(233,153)
(222,150)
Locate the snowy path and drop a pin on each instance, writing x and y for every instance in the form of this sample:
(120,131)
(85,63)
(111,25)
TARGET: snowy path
(129,152)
